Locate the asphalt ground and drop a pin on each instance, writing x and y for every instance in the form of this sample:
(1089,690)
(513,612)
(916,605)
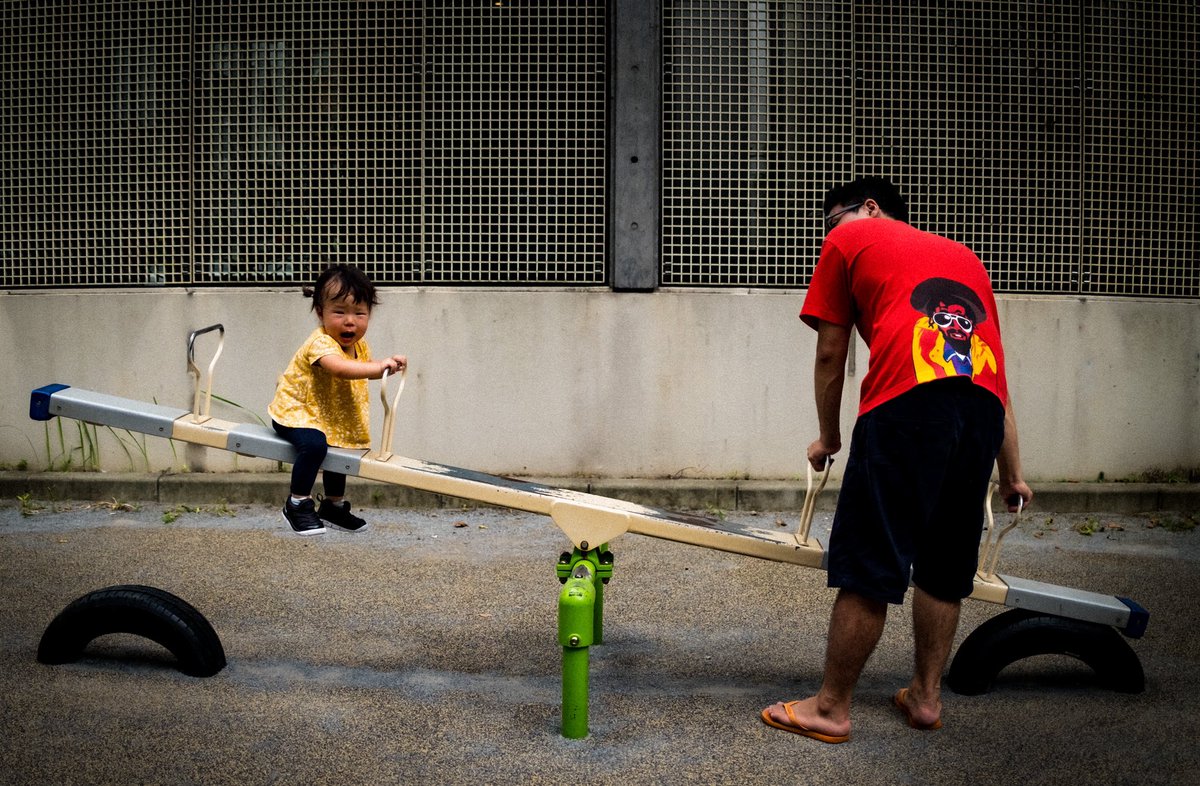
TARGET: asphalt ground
(425,651)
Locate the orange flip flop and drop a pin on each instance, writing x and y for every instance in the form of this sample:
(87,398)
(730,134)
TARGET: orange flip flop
(898,700)
(796,727)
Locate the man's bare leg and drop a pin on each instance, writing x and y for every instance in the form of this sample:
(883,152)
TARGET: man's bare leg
(855,626)
(934,624)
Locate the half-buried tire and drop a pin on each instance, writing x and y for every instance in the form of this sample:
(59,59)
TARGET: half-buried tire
(1020,633)
(142,611)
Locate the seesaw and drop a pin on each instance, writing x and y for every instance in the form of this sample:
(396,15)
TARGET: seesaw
(1042,618)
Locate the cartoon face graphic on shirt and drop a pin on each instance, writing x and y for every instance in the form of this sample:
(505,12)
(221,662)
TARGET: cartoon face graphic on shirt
(952,320)
(944,340)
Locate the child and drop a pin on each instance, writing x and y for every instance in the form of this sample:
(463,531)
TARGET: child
(321,399)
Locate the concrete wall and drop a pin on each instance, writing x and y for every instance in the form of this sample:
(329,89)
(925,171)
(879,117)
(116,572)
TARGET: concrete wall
(589,382)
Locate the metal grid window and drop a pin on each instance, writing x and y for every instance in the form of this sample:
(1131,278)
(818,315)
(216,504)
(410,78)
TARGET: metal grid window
(306,140)
(1057,140)
(94,129)
(219,142)
(514,142)
(756,122)
(462,141)
(1141,195)
(439,142)
(972,108)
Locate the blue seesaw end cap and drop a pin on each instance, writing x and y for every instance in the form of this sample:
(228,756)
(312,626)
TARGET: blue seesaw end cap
(1139,618)
(39,401)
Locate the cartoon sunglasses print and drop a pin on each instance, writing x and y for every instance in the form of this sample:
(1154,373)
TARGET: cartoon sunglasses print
(944,319)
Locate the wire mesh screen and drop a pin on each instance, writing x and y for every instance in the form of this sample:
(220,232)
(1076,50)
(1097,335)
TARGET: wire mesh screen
(94,129)
(973,110)
(1035,132)
(756,125)
(152,142)
(1142,187)
(307,142)
(442,142)
(245,142)
(514,141)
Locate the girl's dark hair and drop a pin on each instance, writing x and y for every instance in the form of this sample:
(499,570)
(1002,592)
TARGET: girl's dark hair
(882,190)
(338,281)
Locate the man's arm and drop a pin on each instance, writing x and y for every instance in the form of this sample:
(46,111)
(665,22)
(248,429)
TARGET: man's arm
(829,375)
(1008,463)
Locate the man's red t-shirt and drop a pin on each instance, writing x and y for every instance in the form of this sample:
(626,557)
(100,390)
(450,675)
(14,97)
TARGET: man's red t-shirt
(921,302)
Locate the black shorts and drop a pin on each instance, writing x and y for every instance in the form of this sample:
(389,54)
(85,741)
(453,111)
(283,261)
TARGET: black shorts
(911,504)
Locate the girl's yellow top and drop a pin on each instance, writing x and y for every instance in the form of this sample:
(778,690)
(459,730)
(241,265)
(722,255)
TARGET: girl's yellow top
(307,396)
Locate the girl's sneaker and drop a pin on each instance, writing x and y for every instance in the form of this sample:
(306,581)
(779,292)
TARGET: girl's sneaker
(303,517)
(338,514)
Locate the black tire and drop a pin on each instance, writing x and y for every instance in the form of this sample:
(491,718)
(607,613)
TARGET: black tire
(1019,633)
(143,611)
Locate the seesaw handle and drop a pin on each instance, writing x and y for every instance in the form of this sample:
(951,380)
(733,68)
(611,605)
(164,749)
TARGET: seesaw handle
(194,370)
(810,500)
(389,412)
(989,553)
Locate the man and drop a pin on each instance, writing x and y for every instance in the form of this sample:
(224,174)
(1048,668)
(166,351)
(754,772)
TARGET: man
(934,416)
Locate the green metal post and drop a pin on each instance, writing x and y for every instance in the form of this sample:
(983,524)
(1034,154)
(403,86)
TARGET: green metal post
(598,612)
(575,693)
(576,614)
(602,559)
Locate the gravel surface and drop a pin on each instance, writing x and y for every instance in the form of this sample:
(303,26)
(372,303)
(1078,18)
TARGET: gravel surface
(425,651)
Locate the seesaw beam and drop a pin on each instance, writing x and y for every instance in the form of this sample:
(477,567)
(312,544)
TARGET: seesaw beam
(1065,617)
(588,520)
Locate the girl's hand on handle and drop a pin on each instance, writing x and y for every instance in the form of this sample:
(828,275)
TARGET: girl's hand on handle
(393,364)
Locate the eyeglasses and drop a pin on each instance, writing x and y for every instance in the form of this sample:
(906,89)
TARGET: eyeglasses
(944,318)
(831,220)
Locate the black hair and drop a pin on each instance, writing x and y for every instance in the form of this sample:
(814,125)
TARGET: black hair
(882,190)
(338,281)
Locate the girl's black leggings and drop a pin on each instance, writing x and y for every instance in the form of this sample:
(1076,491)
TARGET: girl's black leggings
(311,448)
